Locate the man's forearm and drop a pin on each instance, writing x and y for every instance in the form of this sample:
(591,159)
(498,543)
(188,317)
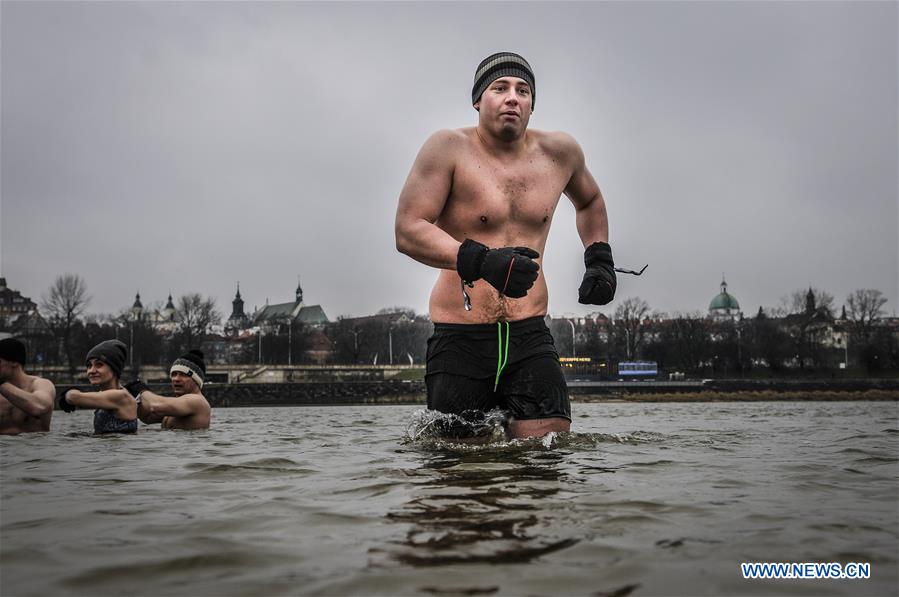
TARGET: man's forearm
(162,406)
(32,404)
(592,221)
(428,244)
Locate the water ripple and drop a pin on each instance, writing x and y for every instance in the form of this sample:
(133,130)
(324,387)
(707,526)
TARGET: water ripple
(637,499)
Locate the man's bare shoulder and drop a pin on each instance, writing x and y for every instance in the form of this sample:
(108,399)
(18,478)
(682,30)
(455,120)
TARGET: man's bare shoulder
(41,384)
(196,399)
(445,139)
(556,143)
(440,152)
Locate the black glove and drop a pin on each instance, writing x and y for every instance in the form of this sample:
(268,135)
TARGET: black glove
(136,387)
(598,287)
(65,404)
(511,270)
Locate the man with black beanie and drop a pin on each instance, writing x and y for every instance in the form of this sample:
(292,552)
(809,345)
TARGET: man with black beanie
(189,409)
(478,205)
(26,401)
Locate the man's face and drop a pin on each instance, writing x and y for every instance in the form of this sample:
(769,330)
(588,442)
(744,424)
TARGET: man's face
(6,369)
(183,384)
(505,107)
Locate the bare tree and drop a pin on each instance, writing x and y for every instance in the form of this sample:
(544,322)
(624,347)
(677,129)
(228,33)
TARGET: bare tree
(628,326)
(767,341)
(195,315)
(864,307)
(63,304)
(801,301)
(407,311)
(686,341)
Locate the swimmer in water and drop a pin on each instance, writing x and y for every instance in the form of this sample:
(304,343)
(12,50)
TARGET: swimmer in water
(188,409)
(116,408)
(477,205)
(26,401)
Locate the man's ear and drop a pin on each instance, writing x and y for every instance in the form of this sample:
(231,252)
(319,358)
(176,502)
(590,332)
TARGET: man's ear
(477,105)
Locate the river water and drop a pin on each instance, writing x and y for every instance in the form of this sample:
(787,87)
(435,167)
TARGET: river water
(641,499)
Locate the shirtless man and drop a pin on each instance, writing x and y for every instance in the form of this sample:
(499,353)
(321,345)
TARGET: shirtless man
(26,401)
(478,204)
(189,409)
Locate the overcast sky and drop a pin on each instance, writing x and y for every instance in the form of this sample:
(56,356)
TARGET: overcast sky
(185,147)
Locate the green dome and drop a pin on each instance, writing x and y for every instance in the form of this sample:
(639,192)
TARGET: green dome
(724,300)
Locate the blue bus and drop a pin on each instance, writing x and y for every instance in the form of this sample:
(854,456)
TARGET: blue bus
(637,369)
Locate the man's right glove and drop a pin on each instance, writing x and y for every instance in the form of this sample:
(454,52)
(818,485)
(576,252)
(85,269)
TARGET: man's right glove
(511,270)
(598,287)
(65,404)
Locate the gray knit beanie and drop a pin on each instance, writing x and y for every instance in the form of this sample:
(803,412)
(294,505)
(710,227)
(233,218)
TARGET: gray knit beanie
(502,64)
(111,352)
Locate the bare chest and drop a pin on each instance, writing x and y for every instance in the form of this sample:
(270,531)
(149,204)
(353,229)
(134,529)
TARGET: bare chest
(524,192)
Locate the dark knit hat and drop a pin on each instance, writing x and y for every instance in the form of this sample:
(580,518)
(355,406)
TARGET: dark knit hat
(111,352)
(192,365)
(502,64)
(12,349)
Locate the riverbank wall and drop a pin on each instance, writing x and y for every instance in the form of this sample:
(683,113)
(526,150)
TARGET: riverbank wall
(310,393)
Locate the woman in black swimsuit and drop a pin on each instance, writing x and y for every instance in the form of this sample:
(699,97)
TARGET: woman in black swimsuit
(116,409)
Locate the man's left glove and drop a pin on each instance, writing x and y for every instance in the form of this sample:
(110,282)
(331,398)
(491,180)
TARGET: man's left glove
(65,404)
(598,286)
(136,387)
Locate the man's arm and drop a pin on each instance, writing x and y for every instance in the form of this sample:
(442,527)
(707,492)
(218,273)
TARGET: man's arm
(37,403)
(157,406)
(143,411)
(422,200)
(590,208)
(599,283)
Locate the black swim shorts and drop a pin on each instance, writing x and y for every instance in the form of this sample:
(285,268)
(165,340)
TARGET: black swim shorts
(512,366)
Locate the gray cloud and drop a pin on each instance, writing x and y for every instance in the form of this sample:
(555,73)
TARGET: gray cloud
(183,147)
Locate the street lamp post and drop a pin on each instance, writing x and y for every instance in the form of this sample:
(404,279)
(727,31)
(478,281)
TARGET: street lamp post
(261,333)
(573,351)
(289,342)
(846,349)
(135,315)
(844,340)
(355,346)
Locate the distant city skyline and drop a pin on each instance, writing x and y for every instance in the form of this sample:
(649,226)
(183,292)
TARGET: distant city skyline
(184,147)
(225,306)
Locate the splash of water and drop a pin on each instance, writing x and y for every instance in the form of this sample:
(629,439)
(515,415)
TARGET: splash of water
(428,429)
(431,425)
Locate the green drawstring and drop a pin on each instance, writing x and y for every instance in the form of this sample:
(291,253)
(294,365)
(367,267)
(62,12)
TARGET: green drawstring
(503,356)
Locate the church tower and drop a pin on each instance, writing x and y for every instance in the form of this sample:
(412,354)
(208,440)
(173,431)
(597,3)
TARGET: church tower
(237,306)
(168,312)
(238,320)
